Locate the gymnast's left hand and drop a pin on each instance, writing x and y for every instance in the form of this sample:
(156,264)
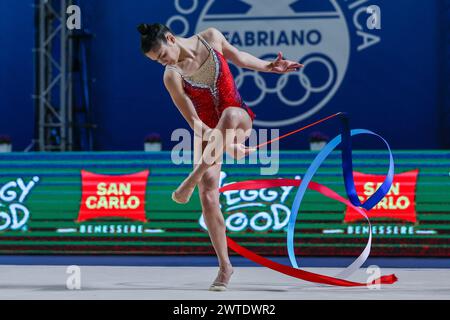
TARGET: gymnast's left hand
(283,66)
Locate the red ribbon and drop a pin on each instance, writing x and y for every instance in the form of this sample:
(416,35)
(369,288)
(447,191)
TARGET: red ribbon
(293,272)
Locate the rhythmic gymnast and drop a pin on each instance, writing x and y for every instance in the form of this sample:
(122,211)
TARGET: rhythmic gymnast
(199,81)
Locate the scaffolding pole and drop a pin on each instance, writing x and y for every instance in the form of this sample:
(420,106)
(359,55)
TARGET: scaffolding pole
(53,58)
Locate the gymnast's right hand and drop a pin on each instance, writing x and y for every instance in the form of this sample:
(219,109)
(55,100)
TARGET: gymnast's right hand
(239,150)
(207,133)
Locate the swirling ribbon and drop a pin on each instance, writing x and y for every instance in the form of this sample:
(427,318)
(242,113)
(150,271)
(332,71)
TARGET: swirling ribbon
(347,167)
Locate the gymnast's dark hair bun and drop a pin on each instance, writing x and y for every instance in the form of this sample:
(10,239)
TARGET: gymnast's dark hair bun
(143,29)
(152,35)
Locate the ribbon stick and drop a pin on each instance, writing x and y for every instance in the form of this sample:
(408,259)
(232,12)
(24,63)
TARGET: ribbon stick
(299,130)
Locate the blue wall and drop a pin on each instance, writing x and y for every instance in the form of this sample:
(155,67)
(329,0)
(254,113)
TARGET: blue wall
(391,88)
(16,71)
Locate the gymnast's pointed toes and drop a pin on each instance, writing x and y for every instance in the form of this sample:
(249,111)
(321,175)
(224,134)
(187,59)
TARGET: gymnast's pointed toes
(176,198)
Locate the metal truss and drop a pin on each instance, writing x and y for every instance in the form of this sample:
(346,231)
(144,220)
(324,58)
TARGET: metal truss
(53,64)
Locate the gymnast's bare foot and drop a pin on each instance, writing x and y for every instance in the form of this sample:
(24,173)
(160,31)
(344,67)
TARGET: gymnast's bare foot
(222,279)
(184,192)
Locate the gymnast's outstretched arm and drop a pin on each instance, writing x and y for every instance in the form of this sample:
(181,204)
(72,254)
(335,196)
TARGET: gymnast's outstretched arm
(246,60)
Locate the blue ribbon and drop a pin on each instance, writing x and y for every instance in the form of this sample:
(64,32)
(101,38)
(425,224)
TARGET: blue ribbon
(347,169)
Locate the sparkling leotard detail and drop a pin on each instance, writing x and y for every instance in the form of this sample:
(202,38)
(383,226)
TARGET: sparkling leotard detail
(206,74)
(212,88)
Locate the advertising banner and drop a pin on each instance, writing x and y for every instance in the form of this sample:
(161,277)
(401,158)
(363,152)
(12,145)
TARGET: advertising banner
(120,204)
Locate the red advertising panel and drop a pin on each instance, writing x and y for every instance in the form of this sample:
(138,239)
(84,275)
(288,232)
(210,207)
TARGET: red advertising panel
(113,196)
(398,204)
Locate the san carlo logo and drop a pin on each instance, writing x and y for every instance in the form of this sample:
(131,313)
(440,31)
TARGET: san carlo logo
(112,204)
(313,32)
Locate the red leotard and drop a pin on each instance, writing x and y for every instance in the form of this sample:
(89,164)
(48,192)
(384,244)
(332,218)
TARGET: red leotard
(211,102)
